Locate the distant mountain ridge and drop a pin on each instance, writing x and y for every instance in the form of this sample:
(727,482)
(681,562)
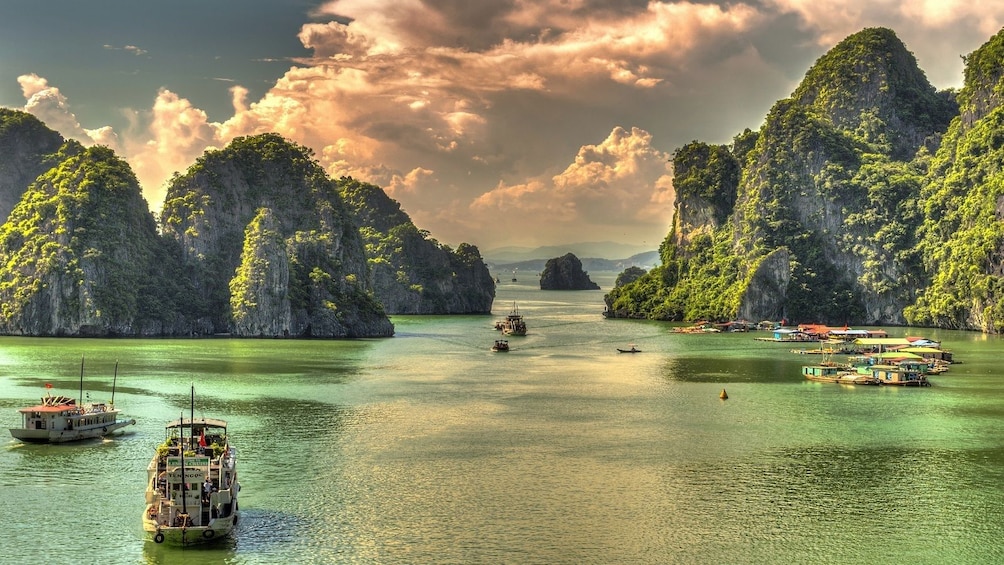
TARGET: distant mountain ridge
(645,260)
(601,250)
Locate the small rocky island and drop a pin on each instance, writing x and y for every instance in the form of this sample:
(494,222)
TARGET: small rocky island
(565,273)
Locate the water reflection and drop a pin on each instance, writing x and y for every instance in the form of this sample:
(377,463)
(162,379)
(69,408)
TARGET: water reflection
(728,369)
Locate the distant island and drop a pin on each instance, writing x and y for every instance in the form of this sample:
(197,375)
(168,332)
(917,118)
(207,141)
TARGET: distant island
(565,273)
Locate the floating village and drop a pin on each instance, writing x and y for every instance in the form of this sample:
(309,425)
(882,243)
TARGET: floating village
(846,355)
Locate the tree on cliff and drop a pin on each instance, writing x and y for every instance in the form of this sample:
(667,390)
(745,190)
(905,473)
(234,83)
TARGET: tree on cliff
(962,237)
(27,149)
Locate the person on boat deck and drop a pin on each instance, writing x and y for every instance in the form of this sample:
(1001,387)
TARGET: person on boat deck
(207,489)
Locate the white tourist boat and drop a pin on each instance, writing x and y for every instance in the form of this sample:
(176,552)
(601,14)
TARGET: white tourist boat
(191,491)
(60,419)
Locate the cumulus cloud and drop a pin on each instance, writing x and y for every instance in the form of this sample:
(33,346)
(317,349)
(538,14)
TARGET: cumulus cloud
(621,183)
(440,103)
(175,135)
(48,104)
(933,29)
(470,113)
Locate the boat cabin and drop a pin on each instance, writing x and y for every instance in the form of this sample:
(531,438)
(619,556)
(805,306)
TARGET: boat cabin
(906,373)
(59,413)
(821,372)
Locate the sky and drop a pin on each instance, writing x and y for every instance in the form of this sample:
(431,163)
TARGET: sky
(493,122)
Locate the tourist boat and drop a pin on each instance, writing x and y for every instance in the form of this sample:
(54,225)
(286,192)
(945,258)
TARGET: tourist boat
(60,419)
(632,350)
(513,323)
(192,487)
(500,345)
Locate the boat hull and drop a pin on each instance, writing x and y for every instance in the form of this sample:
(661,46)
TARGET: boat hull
(63,436)
(192,535)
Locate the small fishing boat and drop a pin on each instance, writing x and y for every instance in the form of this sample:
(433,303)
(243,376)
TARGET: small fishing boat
(60,419)
(632,350)
(501,345)
(192,487)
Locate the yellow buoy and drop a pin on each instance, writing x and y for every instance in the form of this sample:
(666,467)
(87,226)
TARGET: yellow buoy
(724,395)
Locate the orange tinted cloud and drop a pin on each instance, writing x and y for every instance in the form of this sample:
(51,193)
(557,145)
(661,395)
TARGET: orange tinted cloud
(559,114)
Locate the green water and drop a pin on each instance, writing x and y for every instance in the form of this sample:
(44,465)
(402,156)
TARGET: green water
(428,448)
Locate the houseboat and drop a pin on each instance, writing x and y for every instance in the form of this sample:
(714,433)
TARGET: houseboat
(904,373)
(60,419)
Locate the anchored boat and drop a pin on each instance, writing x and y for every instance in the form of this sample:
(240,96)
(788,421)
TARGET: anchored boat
(60,419)
(192,487)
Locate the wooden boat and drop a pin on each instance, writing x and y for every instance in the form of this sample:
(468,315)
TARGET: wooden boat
(501,345)
(833,373)
(822,373)
(192,487)
(60,419)
(632,350)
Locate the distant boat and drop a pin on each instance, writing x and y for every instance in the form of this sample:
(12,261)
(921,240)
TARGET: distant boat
(632,350)
(191,490)
(513,323)
(501,345)
(60,419)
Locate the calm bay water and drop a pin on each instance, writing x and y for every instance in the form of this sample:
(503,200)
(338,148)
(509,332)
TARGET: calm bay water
(428,448)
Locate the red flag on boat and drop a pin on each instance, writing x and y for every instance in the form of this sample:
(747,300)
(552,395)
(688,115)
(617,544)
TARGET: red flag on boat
(202,439)
(48,385)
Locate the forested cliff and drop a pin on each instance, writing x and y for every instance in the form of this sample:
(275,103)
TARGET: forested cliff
(866,197)
(255,240)
(412,273)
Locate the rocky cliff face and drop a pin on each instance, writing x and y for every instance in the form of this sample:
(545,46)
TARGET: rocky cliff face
(410,272)
(865,97)
(962,240)
(78,252)
(270,189)
(27,149)
(822,225)
(565,273)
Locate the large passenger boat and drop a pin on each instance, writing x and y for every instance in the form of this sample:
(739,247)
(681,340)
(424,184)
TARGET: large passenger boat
(192,487)
(60,419)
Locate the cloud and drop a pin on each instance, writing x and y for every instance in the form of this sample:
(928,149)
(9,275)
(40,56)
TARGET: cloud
(443,102)
(128,48)
(622,183)
(482,118)
(48,104)
(175,134)
(934,29)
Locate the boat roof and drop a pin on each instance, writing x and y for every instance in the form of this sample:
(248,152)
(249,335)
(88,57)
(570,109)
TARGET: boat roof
(49,408)
(882,341)
(197,423)
(921,350)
